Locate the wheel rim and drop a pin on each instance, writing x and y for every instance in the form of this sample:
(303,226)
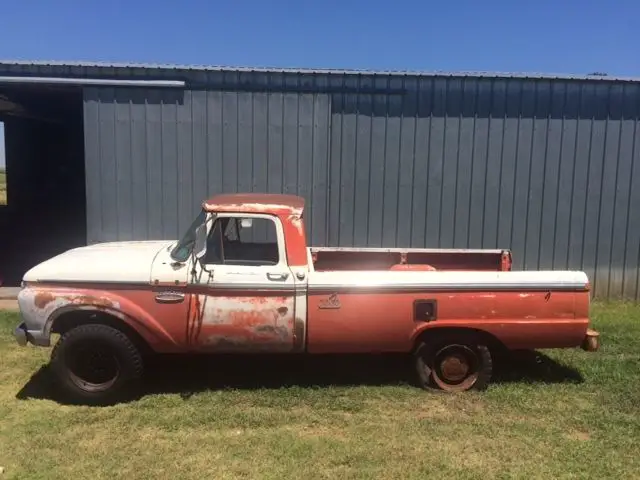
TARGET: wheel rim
(455,368)
(93,368)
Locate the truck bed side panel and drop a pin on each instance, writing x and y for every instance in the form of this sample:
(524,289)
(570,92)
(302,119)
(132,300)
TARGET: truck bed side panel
(389,318)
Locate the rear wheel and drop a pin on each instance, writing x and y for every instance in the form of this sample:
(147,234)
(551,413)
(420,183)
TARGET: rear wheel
(453,363)
(96,364)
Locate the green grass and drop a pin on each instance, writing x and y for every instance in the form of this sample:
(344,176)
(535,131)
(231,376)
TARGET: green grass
(3,187)
(537,420)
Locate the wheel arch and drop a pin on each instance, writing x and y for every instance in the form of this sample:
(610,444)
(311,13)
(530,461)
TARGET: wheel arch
(493,343)
(69,318)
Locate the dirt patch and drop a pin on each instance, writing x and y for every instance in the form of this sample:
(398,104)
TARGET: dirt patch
(578,436)
(9,305)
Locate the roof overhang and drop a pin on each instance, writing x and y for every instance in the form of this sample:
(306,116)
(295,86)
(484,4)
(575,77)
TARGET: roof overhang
(90,82)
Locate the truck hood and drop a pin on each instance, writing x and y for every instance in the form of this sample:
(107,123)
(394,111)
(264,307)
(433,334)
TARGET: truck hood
(127,262)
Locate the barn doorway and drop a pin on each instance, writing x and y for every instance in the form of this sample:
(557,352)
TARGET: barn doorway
(45,211)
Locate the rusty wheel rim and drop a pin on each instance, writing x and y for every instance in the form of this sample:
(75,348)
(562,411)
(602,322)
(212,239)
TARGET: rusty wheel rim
(455,368)
(94,368)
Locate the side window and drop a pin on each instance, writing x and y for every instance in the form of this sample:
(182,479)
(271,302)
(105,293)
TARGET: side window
(243,241)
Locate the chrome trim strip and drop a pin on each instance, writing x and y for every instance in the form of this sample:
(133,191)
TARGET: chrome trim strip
(332,287)
(403,287)
(255,287)
(442,287)
(92,282)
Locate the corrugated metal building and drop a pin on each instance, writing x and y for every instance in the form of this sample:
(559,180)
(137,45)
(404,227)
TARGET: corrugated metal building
(548,166)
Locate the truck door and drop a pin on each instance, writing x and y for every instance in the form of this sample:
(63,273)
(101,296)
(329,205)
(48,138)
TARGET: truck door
(243,294)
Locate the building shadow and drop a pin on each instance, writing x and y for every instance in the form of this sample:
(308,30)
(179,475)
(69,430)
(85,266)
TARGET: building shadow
(186,376)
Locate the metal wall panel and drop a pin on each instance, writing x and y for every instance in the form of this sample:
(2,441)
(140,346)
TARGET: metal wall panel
(153,156)
(547,167)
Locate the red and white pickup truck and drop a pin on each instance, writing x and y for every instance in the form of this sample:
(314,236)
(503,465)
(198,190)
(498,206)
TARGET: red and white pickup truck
(243,280)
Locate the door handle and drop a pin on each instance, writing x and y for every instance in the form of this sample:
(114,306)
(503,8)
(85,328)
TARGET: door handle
(170,297)
(274,277)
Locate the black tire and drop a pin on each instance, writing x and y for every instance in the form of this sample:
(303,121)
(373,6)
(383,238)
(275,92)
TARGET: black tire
(96,365)
(452,362)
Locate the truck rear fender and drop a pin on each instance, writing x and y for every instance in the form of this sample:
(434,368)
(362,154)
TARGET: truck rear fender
(489,340)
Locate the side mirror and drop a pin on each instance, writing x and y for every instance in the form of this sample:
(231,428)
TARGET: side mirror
(200,245)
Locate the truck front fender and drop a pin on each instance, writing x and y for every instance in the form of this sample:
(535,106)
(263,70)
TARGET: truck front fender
(41,306)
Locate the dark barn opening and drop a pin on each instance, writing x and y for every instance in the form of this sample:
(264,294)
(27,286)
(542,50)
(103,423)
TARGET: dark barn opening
(45,212)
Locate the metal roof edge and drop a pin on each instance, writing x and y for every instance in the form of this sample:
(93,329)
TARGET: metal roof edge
(328,71)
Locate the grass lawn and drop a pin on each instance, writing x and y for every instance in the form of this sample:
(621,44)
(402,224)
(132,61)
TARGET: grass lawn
(3,187)
(559,414)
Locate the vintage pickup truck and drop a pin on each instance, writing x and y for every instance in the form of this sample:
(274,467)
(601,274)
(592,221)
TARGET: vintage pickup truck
(243,280)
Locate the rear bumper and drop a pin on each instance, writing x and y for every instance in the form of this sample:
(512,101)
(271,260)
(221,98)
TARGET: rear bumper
(591,341)
(35,337)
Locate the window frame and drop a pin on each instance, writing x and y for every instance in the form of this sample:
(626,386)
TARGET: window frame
(280,240)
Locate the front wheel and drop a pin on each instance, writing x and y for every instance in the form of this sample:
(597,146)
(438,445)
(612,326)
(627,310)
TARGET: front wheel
(96,364)
(453,363)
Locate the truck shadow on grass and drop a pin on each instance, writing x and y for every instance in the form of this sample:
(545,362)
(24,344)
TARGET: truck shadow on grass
(187,376)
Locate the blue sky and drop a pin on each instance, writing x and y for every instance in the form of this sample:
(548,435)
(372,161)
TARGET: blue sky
(568,36)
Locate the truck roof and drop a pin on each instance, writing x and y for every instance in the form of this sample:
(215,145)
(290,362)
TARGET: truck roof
(273,203)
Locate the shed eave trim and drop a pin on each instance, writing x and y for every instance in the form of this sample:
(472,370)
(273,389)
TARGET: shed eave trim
(93,81)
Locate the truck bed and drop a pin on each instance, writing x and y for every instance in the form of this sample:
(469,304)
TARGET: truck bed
(335,259)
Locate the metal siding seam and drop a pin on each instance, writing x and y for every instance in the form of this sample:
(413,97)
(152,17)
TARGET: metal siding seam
(528,201)
(629,205)
(146,165)
(94,214)
(544,174)
(428,166)
(472,149)
(615,194)
(573,175)
(132,209)
(392,167)
(327,152)
(578,209)
(635,163)
(457,170)
(413,164)
(516,163)
(554,245)
(445,115)
(500,168)
(596,266)
(368,218)
(588,174)
(355,160)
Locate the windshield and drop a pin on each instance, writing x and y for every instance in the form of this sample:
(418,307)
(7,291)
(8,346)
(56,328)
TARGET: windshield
(183,248)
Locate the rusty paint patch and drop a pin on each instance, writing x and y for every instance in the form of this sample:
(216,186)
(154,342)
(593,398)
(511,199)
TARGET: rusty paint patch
(297,223)
(42,298)
(299,328)
(39,306)
(252,207)
(247,323)
(332,302)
